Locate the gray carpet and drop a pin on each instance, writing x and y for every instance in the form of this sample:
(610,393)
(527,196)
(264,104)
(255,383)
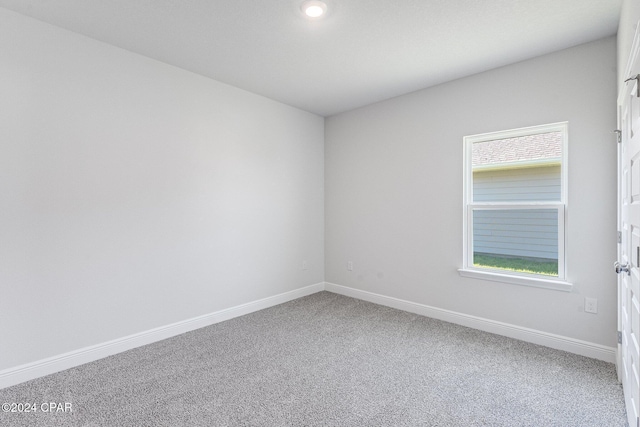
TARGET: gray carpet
(329,360)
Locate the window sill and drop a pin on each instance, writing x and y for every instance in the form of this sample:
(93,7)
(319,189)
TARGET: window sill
(554,284)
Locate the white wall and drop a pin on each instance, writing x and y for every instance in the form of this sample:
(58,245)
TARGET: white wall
(393,191)
(134,194)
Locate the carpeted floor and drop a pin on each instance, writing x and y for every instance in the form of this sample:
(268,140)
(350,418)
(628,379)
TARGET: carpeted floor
(329,360)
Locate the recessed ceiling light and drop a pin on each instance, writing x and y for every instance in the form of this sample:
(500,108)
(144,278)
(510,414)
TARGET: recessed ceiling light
(314,9)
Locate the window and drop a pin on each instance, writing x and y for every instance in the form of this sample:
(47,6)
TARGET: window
(515,193)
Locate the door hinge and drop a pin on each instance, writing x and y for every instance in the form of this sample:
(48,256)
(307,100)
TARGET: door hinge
(637,78)
(618,133)
(619,236)
(619,337)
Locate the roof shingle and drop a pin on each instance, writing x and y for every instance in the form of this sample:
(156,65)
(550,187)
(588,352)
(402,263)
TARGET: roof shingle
(519,149)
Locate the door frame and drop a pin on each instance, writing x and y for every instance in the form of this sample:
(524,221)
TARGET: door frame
(622,94)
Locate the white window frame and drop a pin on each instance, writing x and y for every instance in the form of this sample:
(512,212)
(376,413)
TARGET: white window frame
(537,280)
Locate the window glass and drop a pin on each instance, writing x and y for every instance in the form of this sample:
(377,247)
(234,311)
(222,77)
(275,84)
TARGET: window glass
(515,199)
(524,168)
(517,240)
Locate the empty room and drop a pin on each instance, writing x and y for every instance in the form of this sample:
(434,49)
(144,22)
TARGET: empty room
(319,213)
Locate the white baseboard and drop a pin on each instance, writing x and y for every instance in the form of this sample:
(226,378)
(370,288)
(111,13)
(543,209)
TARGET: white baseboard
(22,373)
(559,342)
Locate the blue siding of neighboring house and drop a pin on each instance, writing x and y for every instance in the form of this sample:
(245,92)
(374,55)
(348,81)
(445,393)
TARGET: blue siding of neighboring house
(526,233)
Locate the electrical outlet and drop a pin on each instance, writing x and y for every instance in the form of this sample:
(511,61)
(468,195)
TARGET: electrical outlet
(350,265)
(590,305)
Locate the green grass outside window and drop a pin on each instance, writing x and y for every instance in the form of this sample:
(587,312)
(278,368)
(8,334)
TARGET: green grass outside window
(520,265)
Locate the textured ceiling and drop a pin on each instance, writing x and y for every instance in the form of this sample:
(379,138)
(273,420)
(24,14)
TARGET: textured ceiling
(362,52)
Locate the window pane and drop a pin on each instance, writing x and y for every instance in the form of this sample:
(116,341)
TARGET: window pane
(524,168)
(524,240)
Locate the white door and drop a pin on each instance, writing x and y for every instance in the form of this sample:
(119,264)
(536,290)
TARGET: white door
(628,265)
